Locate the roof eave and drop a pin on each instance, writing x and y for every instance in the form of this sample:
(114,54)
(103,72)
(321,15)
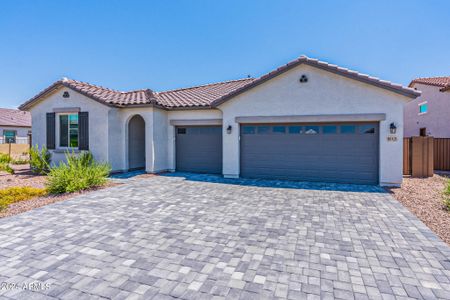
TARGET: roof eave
(151,104)
(194,107)
(30,103)
(445,89)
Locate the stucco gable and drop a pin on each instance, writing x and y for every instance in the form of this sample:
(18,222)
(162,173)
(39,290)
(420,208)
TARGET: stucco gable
(323,93)
(334,69)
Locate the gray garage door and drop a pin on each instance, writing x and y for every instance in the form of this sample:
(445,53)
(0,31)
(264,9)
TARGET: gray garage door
(199,149)
(345,153)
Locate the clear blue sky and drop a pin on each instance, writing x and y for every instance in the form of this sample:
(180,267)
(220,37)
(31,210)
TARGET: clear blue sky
(169,44)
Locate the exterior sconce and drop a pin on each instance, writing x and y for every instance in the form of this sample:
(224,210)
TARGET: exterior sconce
(303,78)
(393,128)
(66,94)
(229,129)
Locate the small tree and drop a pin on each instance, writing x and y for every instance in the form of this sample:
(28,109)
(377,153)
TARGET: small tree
(40,160)
(447,196)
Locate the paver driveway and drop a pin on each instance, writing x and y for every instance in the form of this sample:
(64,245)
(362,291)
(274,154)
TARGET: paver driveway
(166,237)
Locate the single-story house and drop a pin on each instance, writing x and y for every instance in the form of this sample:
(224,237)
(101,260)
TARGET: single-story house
(307,120)
(429,114)
(15,126)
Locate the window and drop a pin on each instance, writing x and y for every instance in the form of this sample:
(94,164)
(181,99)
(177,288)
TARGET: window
(10,136)
(248,130)
(295,129)
(263,129)
(329,129)
(423,131)
(367,129)
(68,130)
(181,130)
(311,129)
(279,129)
(348,129)
(423,108)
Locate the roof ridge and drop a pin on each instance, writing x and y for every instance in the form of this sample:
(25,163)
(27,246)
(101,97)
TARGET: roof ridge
(204,85)
(12,109)
(432,77)
(69,80)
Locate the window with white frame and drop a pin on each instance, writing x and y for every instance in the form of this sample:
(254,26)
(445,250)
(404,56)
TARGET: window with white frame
(68,130)
(423,108)
(9,136)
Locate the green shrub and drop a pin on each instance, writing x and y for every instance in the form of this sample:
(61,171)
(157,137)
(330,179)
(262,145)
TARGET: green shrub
(19,161)
(16,194)
(40,160)
(4,158)
(447,196)
(79,173)
(5,167)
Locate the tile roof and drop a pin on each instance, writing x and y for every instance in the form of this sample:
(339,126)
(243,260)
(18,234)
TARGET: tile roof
(200,96)
(14,117)
(442,81)
(197,96)
(205,96)
(101,94)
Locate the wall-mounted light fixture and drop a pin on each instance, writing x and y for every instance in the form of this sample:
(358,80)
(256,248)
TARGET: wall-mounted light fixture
(66,94)
(303,79)
(392,128)
(229,128)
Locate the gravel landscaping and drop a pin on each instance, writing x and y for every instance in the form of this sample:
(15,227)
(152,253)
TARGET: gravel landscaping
(24,177)
(423,197)
(21,177)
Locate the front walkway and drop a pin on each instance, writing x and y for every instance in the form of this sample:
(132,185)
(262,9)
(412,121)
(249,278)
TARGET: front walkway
(165,237)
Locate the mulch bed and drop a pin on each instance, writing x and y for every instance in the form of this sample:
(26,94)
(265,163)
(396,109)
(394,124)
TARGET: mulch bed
(423,197)
(24,177)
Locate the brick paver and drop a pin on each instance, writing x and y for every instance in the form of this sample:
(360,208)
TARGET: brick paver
(165,237)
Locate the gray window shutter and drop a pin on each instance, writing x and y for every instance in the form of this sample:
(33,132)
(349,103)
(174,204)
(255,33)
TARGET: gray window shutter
(51,131)
(83,130)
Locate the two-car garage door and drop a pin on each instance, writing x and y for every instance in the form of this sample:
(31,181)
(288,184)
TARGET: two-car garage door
(346,152)
(341,152)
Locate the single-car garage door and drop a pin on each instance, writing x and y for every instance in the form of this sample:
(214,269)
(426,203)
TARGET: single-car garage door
(199,149)
(344,153)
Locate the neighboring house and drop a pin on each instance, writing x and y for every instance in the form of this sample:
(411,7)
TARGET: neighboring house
(15,126)
(307,120)
(429,114)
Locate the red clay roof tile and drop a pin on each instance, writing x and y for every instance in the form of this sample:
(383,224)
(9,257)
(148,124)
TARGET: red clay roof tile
(442,81)
(199,96)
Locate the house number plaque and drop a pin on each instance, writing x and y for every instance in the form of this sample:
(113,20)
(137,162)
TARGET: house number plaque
(392,138)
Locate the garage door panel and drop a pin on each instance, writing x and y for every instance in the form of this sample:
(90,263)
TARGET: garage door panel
(199,149)
(336,157)
(325,165)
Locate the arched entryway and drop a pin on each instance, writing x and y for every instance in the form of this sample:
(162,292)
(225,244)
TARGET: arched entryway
(136,143)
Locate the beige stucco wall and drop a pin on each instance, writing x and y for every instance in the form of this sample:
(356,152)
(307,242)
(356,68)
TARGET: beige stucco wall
(108,130)
(324,93)
(119,137)
(98,122)
(436,120)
